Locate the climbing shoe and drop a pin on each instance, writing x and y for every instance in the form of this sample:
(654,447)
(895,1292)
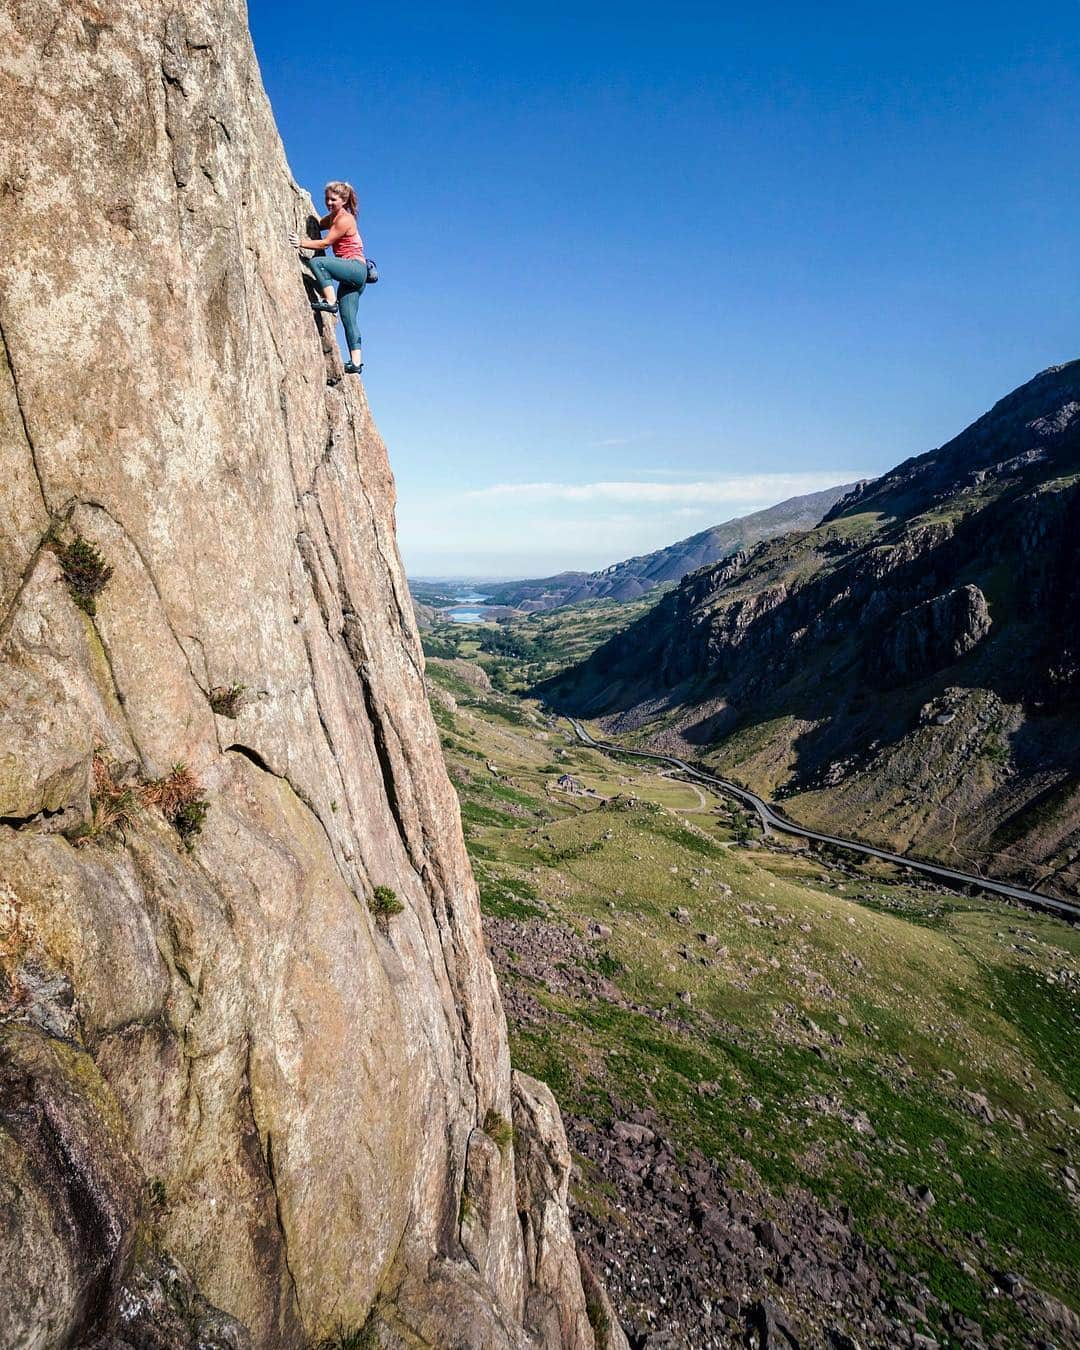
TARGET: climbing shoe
(325,306)
(350,369)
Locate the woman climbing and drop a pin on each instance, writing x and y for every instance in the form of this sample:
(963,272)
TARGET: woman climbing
(348,266)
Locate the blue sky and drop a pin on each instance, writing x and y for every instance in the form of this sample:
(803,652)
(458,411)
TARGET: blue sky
(646,268)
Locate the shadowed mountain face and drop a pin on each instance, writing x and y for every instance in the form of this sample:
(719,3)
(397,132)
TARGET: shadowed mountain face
(635,577)
(910,668)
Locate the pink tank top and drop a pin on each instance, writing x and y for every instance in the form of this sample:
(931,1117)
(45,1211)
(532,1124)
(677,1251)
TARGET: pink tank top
(349,246)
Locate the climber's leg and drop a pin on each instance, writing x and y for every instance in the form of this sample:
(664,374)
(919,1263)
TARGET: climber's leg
(351,275)
(349,302)
(317,268)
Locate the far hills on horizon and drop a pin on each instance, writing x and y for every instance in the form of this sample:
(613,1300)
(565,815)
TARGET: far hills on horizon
(635,577)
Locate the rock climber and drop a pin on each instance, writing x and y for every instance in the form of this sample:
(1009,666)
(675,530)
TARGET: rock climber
(348,267)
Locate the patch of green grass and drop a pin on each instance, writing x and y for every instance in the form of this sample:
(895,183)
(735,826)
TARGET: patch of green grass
(442,717)
(598,1318)
(472,813)
(608,966)
(451,681)
(506,898)
(1047,1015)
(498,1129)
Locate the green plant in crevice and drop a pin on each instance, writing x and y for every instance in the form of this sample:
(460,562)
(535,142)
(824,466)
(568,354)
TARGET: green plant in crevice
(189,820)
(178,796)
(498,1129)
(119,792)
(384,904)
(227,699)
(598,1318)
(85,571)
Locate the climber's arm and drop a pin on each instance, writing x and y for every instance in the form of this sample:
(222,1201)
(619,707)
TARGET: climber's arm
(336,231)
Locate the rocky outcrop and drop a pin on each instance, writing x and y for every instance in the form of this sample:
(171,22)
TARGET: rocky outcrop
(217,1066)
(933,634)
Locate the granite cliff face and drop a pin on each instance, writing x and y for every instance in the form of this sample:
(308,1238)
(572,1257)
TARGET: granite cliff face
(908,670)
(235,1109)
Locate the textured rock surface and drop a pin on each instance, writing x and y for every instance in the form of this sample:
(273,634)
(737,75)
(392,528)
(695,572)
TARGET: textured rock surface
(238,1065)
(933,634)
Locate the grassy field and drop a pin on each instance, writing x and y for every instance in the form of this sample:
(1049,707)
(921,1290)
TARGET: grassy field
(839,1029)
(521,651)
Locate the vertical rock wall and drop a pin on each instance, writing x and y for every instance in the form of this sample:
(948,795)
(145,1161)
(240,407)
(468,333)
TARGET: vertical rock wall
(217,1061)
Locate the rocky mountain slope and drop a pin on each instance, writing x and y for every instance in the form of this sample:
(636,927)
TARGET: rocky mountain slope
(254,1080)
(908,670)
(635,577)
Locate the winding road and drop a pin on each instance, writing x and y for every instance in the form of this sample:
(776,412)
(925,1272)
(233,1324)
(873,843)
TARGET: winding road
(772,820)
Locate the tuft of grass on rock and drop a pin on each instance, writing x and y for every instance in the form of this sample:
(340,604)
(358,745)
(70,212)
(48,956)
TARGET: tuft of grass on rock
(119,793)
(113,804)
(498,1129)
(85,572)
(227,700)
(178,797)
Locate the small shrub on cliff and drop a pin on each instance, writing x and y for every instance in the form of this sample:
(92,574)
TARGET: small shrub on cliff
(177,795)
(344,1337)
(598,1319)
(498,1129)
(113,803)
(384,904)
(85,572)
(118,793)
(227,700)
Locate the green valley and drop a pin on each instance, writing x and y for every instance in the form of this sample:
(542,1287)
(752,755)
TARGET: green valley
(801,1093)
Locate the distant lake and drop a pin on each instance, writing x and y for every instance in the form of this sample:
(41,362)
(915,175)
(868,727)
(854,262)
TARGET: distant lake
(466,611)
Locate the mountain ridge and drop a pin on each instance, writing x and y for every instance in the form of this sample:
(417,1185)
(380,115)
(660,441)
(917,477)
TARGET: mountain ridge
(921,640)
(637,576)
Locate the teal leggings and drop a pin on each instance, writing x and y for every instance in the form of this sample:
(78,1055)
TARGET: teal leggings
(351,276)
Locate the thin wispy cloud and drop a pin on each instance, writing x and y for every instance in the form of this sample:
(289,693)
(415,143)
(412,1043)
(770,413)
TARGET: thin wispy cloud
(613,442)
(739,488)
